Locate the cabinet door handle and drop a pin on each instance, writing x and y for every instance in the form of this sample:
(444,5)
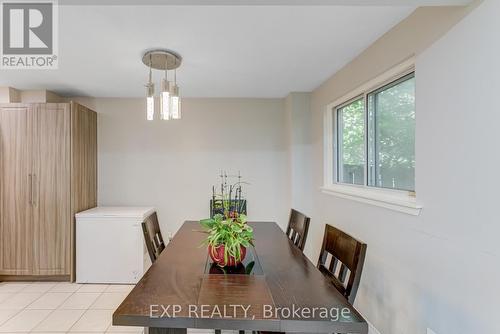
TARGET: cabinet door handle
(30,179)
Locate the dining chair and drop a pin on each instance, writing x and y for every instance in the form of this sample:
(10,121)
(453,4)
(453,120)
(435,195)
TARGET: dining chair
(341,260)
(298,226)
(152,237)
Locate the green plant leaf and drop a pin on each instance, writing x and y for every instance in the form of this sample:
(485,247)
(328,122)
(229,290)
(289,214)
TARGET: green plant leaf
(208,223)
(233,233)
(249,267)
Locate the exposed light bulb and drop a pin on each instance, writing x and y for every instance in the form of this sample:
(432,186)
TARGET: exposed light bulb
(150,101)
(150,105)
(175,106)
(150,95)
(165,100)
(165,106)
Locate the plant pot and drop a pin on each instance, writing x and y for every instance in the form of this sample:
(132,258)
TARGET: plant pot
(217,255)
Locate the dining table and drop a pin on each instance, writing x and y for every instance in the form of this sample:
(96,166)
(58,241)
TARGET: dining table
(275,289)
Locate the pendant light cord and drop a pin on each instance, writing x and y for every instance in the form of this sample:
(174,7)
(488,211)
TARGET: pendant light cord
(166,69)
(150,70)
(175,72)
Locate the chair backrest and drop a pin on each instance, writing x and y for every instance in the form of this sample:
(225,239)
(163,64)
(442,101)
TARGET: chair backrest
(298,226)
(152,236)
(341,259)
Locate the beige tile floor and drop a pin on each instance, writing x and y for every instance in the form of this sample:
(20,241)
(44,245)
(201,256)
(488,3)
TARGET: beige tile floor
(43,307)
(55,308)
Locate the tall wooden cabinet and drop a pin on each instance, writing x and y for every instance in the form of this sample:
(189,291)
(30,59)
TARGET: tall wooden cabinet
(48,172)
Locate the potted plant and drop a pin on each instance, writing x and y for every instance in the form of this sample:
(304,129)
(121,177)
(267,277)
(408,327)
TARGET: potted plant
(229,235)
(228,239)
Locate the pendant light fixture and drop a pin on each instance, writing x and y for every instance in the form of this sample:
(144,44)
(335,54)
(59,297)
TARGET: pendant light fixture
(150,97)
(165,98)
(175,100)
(170,102)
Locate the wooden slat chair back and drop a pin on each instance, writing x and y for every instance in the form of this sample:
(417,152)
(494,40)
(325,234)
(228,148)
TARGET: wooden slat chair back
(152,237)
(341,259)
(298,226)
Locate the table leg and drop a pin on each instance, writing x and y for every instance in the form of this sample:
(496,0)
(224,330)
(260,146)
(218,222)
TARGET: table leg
(155,330)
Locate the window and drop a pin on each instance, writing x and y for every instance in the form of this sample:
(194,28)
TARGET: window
(370,142)
(351,142)
(391,135)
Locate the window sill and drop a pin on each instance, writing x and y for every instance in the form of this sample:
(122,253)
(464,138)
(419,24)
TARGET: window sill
(400,201)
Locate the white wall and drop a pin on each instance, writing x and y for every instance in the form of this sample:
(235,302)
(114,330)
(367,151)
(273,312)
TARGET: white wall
(173,165)
(440,269)
(297,106)
(457,146)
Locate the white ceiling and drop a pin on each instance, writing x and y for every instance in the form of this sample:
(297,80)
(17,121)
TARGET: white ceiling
(228,51)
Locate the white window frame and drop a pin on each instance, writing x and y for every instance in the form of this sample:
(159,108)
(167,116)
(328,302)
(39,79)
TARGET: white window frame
(397,200)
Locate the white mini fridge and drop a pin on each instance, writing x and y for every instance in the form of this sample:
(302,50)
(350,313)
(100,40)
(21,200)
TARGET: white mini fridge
(110,246)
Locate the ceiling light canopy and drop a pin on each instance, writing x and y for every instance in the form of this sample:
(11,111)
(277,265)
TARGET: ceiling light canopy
(170,102)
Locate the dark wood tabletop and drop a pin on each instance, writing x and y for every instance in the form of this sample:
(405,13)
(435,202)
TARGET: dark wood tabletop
(177,292)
